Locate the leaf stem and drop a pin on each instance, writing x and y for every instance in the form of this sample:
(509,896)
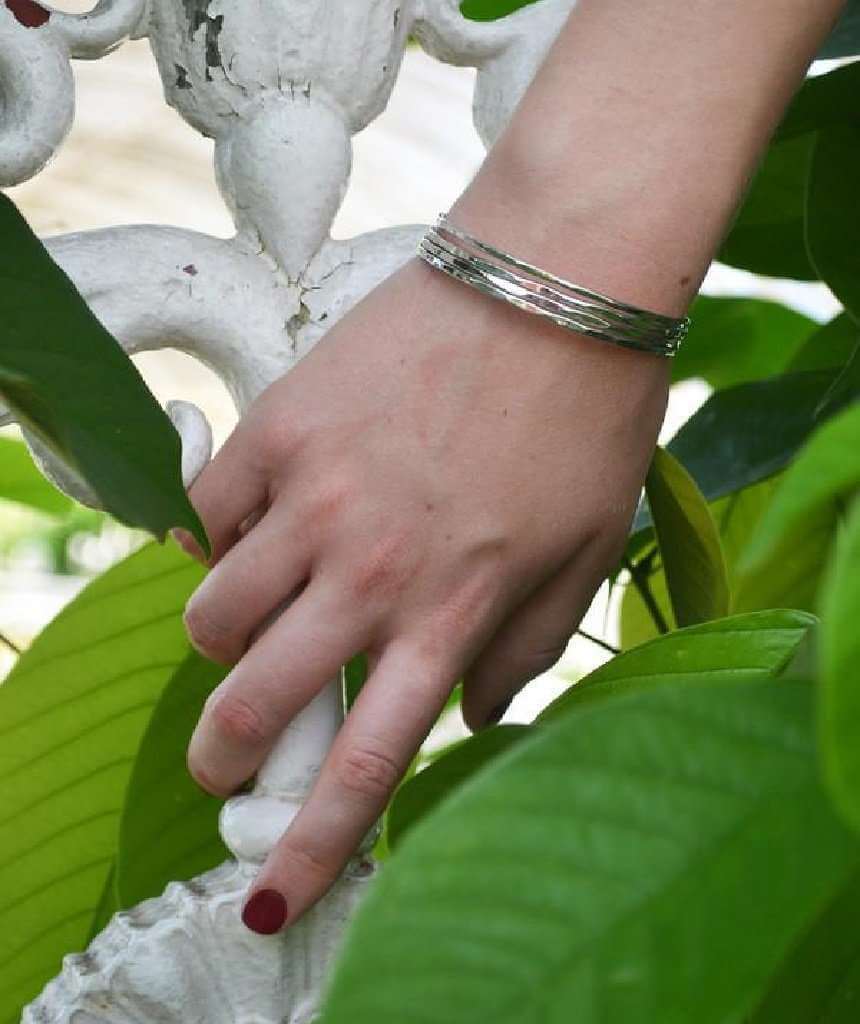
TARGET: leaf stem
(600,643)
(640,581)
(10,644)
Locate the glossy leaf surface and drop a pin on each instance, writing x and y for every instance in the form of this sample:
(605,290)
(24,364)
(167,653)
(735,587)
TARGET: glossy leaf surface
(602,868)
(689,543)
(69,382)
(839,716)
(72,713)
(169,826)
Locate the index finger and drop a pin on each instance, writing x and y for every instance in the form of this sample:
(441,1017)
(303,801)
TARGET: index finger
(394,712)
(229,490)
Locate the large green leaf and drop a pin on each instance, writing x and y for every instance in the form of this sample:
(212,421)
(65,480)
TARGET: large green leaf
(823,477)
(768,234)
(830,347)
(647,858)
(70,383)
(833,213)
(845,40)
(21,482)
(760,644)
(689,543)
(839,716)
(735,340)
(823,101)
(737,516)
(819,983)
(424,791)
(72,713)
(169,827)
(745,434)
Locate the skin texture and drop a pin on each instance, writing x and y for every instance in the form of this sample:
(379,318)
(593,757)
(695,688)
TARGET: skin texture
(445,481)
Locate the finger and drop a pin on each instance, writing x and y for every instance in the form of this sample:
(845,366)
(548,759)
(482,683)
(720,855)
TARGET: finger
(230,489)
(392,716)
(281,673)
(533,637)
(257,575)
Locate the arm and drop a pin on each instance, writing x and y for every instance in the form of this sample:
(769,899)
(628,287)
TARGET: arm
(634,145)
(445,481)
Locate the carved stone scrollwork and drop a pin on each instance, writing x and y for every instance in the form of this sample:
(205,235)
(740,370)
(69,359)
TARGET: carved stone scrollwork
(281,86)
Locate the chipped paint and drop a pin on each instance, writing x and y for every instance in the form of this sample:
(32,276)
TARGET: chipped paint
(198,16)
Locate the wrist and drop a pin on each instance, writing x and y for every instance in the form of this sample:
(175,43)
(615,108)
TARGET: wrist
(605,235)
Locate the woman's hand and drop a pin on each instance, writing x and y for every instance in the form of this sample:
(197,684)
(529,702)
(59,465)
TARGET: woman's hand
(442,483)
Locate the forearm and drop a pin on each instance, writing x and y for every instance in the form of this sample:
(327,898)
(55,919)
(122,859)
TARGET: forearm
(625,161)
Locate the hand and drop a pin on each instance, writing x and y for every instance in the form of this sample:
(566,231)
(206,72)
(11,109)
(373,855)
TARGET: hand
(443,483)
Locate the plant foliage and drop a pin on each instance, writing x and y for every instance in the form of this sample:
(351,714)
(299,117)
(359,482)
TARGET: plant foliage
(674,839)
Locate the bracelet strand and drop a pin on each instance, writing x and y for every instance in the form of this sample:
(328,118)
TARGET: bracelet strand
(503,276)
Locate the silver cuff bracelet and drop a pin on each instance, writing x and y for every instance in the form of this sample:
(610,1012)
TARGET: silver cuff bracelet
(527,287)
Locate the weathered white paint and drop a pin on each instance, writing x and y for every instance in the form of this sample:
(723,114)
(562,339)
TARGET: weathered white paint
(281,86)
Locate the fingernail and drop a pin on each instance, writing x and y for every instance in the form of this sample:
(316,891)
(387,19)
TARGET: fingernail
(246,787)
(498,713)
(265,912)
(186,542)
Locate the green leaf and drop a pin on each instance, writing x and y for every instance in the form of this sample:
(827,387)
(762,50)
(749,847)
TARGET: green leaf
(758,645)
(819,982)
(490,10)
(421,794)
(828,348)
(736,340)
(169,826)
(833,213)
(845,39)
(72,713)
(354,677)
(823,477)
(745,434)
(822,101)
(21,482)
(689,543)
(768,235)
(637,622)
(106,907)
(844,389)
(839,712)
(70,383)
(642,859)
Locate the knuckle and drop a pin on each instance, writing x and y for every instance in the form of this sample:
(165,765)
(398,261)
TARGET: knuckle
(237,721)
(208,636)
(329,502)
(369,772)
(384,571)
(468,607)
(304,859)
(280,438)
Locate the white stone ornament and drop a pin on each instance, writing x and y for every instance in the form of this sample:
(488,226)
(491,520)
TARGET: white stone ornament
(281,86)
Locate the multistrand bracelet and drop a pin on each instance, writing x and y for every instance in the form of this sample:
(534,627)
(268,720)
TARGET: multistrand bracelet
(502,276)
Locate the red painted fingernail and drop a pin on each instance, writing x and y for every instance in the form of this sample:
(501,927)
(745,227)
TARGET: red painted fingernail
(28,13)
(265,912)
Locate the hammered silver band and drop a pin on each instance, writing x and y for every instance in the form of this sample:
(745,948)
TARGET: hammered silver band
(502,276)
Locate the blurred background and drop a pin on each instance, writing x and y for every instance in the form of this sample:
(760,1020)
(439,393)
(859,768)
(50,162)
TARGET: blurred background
(131,159)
